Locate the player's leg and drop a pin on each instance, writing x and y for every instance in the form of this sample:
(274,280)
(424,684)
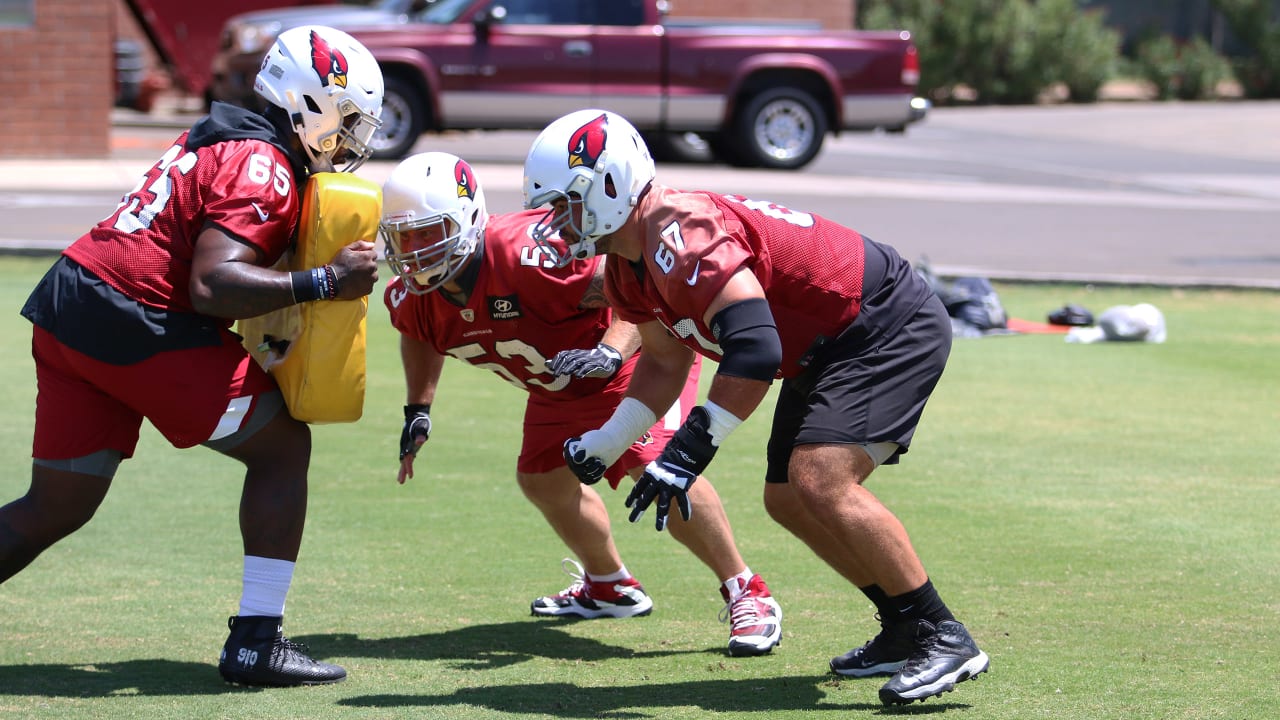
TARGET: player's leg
(888,651)
(275,450)
(80,436)
(854,416)
(577,514)
(601,585)
(707,533)
(57,503)
(785,508)
(239,412)
(754,616)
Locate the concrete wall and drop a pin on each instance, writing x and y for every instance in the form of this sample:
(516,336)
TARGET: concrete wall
(61,79)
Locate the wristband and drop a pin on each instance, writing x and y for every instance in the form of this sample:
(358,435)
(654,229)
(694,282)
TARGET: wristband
(315,284)
(304,286)
(331,276)
(629,421)
(722,422)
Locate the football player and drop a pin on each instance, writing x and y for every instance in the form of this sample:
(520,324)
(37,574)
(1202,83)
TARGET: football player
(858,337)
(133,321)
(478,287)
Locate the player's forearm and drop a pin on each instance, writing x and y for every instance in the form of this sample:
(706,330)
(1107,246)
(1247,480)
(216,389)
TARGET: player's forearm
(422,369)
(660,377)
(239,290)
(739,396)
(623,337)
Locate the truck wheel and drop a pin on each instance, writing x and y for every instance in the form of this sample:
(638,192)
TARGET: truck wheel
(782,128)
(404,117)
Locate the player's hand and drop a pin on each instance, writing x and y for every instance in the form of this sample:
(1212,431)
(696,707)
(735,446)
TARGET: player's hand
(586,466)
(417,428)
(356,269)
(601,361)
(669,477)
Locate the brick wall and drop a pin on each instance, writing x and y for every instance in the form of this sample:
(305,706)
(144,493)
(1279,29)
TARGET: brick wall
(833,14)
(61,73)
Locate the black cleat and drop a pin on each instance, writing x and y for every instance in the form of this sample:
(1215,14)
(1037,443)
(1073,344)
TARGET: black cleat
(258,653)
(885,654)
(944,656)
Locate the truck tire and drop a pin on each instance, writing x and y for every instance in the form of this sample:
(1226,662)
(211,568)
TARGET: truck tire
(404,117)
(781,128)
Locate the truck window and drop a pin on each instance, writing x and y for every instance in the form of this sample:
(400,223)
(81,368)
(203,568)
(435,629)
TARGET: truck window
(617,12)
(446,11)
(543,12)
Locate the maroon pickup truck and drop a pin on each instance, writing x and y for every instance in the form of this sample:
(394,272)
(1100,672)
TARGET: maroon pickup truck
(759,95)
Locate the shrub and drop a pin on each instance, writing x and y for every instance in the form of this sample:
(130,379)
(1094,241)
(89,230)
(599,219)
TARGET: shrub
(1006,51)
(1157,60)
(1201,71)
(1252,21)
(1191,72)
(1089,50)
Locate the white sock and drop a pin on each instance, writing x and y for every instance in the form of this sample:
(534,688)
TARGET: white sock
(266,583)
(622,574)
(738,583)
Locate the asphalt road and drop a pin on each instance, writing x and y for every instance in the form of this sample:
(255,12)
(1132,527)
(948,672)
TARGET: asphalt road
(1165,193)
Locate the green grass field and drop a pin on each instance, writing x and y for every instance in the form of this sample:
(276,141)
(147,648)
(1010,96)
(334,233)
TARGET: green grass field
(1103,518)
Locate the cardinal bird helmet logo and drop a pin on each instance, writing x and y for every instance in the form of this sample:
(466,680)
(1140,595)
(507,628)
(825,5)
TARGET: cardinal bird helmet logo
(465,179)
(587,143)
(329,62)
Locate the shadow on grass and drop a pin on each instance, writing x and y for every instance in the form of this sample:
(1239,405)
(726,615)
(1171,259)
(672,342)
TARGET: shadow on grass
(132,677)
(475,647)
(566,700)
(484,647)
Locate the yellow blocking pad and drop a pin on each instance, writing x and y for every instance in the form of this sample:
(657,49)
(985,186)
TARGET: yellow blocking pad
(316,350)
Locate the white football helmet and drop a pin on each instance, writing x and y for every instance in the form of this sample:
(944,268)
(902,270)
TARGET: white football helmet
(433,218)
(331,87)
(592,158)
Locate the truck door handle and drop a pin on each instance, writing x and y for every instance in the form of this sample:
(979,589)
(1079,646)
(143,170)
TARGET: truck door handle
(577,48)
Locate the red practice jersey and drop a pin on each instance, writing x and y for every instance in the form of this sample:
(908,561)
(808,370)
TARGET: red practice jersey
(144,249)
(811,268)
(521,312)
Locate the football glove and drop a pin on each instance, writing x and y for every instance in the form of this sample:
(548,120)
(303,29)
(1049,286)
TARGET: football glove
(417,424)
(600,362)
(587,467)
(684,458)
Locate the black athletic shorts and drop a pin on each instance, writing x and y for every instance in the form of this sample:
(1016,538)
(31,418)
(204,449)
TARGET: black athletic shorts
(857,393)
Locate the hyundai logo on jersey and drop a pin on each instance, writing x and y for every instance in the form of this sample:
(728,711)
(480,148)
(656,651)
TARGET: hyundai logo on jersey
(504,308)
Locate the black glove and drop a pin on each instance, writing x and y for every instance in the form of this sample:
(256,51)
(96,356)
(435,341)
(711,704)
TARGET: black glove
(417,423)
(684,458)
(601,362)
(587,467)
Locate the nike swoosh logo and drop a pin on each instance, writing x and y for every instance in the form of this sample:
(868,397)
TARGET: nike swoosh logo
(262,214)
(694,277)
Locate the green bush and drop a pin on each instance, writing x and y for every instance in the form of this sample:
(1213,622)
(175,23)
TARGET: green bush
(1005,51)
(1252,21)
(1202,70)
(921,19)
(1157,60)
(1088,49)
(1190,72)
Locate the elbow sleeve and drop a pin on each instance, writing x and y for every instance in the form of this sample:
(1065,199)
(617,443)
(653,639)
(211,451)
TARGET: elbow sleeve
(749,339)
